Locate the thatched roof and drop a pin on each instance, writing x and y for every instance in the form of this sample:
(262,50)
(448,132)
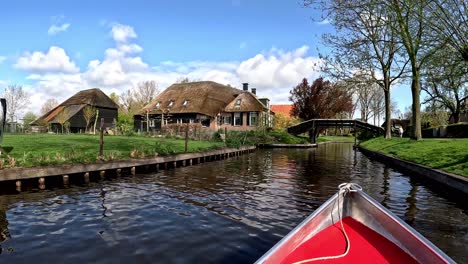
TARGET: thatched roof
(208,98)
(248,103)
(94,97)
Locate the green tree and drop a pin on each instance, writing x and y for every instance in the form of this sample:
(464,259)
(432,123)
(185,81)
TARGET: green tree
(27,119)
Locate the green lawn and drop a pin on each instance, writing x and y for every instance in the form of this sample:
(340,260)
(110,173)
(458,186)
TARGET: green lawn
(335,139)
(45,149)
(445,154)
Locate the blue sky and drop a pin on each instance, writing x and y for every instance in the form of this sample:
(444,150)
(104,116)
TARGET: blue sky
(56,48)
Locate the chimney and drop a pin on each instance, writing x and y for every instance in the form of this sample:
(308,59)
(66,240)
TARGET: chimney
(245,86)
(254,91)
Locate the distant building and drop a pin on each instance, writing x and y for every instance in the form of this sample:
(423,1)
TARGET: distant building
(213,105)
(397,123)
(73,106)
(284,109)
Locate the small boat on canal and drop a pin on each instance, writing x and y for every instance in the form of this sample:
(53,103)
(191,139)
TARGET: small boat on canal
(351,227)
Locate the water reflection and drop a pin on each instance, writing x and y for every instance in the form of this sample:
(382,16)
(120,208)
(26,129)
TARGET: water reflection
(229,211)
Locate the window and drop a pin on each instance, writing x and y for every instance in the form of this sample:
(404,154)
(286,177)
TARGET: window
(227,120)
(151,123)
(185,103)
(253,119)
(171,103)
(158,104)
(238,102)
(237,119)
(205,121)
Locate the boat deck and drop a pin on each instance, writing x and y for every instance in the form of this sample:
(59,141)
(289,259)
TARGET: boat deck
(367,246)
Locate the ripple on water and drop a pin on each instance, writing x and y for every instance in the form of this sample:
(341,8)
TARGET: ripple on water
(230,211)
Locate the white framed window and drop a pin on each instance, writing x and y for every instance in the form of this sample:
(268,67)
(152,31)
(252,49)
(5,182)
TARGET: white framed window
(171,103)
(253,118)
(238,102)
(227,120)
(158,104)
(151,123)
(237,119)
(185,102)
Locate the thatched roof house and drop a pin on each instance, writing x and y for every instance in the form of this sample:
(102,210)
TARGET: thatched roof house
(71,110)
(211,104)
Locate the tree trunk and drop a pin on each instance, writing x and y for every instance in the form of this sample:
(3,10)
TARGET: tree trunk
(388,114)
(62,128)
(456,117)
(416,107)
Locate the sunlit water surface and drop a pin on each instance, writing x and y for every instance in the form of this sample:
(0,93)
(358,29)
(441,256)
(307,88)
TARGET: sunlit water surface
(229,211)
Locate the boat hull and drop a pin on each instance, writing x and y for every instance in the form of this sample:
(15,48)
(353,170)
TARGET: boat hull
(360,207)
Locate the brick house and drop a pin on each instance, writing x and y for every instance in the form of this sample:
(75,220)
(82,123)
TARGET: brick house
(213,105)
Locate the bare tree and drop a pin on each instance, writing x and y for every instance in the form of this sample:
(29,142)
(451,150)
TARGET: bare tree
(17,99)
(63,117)
(410,24)
(128,101)
(48,105)
(364,41)
(88,114)
(145,92)
(136,98)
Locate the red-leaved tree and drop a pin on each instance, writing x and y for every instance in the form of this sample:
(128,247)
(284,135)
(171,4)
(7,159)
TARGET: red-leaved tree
(322,99)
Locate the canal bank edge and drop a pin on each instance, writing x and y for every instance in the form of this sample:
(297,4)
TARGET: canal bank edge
(454,181)
(22,173)
(261,145)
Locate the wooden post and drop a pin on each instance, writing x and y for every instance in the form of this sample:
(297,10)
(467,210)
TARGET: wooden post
(102,174)
(355,134)
(86,177)
(133,171)
(41,183)
(66,180)
(119,172)
(186,137)
(225,134)
(147,121)
(101,139)
(18,186)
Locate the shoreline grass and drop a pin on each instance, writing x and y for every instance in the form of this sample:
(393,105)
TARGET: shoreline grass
(47,149)
(335,139)
(450,155)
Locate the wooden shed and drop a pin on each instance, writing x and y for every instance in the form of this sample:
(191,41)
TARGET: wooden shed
(73,110)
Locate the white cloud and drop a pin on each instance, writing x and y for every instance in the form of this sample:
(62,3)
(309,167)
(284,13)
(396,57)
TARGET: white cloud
(2,59)
(55,29)
(122,33)
(273,73)
(55,60)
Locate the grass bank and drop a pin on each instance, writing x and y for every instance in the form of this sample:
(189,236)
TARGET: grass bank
(449,155)
(335,139)
(254,137)
(46,149)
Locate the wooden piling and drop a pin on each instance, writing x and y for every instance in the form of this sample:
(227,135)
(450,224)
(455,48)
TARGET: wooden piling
(18,186)
(66,180)
(119,172)
(102,174)
(41,183)
(133,171)
(86,177)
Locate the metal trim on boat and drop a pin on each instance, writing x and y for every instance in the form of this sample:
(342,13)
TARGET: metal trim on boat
(364,209)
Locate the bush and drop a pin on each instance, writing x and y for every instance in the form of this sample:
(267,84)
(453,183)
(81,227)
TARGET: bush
(459,130)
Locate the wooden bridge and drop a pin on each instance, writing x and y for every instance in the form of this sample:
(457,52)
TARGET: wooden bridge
(313,125)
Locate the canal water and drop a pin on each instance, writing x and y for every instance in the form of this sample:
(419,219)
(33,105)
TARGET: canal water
(229,211)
